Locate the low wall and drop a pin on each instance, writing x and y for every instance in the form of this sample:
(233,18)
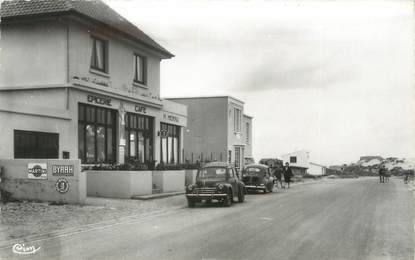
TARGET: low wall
(43,180)
(190,177)
(118,184)
(169,181)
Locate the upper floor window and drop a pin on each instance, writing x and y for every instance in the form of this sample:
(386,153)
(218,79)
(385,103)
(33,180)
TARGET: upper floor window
(237,118)
(99,57)
(293,159)
(247,133)
(140,72)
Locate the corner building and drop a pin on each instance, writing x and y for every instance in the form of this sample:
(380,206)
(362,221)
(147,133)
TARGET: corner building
(80,81)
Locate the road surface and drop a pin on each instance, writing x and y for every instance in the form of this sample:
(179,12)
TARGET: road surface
(333,219)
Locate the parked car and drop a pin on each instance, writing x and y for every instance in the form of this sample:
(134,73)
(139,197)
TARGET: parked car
(216,181)
(258,177)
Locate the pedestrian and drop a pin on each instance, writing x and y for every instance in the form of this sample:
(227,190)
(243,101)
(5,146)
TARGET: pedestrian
(288,173)
(278,176)
(382,173)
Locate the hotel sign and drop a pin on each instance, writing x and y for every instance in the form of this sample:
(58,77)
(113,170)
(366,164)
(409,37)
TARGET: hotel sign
(99,100)
(171,118)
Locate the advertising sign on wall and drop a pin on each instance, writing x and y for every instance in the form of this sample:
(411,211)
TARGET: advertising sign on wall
(62,170)
(37,171)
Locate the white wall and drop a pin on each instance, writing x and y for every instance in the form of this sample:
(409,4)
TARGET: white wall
(316,170)
(303,158)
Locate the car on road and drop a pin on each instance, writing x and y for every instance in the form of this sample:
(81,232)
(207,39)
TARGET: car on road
(257,177)
(216,181)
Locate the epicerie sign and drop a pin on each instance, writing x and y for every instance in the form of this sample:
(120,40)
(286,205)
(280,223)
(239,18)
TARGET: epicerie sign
(62,170)
(99,100)
(37,171)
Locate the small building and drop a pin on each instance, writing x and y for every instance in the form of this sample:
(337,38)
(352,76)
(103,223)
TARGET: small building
(316,169)
(77,80)
(217,130)
(299,161)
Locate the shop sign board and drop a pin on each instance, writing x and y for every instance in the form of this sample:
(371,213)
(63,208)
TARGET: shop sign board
(99,100)
(170,118)
(62,170)
(140,109)
(37,171)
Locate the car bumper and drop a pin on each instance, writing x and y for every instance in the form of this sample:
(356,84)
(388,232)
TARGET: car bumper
(254,187)
(214,195)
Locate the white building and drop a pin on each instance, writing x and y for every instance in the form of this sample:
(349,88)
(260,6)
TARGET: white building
(316,169)
(300,163)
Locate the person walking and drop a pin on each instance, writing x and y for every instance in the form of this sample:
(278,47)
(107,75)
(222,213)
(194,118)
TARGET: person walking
(288,173)
(278,176)
(382,173)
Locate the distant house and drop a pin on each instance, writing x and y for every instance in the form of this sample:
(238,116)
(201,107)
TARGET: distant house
(316,169)
(369,158)
(337,167)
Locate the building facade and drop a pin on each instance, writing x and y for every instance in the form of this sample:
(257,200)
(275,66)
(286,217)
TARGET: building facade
(77,80)
(217,130)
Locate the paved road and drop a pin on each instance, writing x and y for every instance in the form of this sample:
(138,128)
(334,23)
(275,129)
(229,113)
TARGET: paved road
(335,219)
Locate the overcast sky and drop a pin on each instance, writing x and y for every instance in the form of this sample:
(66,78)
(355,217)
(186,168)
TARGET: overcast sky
(332,77)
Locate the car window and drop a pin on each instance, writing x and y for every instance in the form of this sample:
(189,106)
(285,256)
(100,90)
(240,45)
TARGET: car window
(212,173)
(231,173)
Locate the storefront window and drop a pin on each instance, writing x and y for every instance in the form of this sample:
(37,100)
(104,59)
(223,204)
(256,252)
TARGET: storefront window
(96,134)
(35,145)
(169,135)
(139,133)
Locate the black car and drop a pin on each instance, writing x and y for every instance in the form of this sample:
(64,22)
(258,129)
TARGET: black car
(258,177)
(216,181)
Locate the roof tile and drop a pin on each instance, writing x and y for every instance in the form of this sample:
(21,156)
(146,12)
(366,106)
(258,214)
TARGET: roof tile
(95,9)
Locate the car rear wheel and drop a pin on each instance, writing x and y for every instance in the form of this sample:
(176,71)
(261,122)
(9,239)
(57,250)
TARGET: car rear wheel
(191,203)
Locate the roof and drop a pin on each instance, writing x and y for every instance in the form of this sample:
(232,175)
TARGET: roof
(92,9)
(370,157)
(217,164)
(318,164)
(263,166)
(200,97)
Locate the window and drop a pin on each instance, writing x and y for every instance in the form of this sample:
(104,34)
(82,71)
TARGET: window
(237,157)
(293,159)
(139,137)
(247,133)
(140,71)
(169,135)
(36,145)
(231,173)
(237,115)
(99,57)
(96,134)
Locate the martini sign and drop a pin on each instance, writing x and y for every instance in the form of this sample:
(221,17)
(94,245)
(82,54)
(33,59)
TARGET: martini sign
(37,171)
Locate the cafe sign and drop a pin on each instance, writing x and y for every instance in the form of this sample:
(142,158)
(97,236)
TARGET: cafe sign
(37,171)
(140,109)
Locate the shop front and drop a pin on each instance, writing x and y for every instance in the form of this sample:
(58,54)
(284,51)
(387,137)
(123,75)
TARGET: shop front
(94,126)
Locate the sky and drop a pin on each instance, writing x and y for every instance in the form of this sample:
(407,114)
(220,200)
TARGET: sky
(331,77)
